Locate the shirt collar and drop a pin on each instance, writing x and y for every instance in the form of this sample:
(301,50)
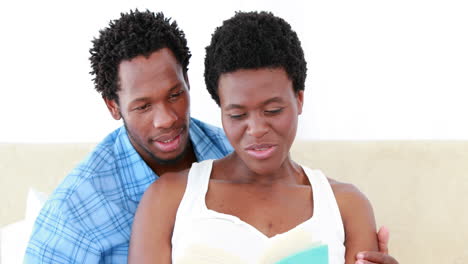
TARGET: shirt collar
(203,141)
(136,175)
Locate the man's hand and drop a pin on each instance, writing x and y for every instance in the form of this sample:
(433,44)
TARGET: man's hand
(381,257)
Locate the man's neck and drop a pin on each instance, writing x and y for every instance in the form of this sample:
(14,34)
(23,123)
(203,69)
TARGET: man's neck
(184,163)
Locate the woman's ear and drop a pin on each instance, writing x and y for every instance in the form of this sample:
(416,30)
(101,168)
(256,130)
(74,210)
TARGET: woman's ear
(300,101)
(113,107)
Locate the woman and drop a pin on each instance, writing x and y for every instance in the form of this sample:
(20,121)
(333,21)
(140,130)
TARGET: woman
(256,200)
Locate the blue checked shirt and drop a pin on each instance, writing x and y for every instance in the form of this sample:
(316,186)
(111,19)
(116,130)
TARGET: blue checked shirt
(88,217)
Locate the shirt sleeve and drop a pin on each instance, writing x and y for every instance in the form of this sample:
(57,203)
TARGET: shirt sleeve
(55,239)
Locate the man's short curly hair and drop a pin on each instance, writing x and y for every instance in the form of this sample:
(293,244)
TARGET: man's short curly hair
(133,34)
(253,40)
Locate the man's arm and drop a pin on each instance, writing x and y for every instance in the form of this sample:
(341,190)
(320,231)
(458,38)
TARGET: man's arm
(55,239)
(381,257)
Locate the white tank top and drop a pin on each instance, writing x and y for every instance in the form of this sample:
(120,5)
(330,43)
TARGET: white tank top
(203,236)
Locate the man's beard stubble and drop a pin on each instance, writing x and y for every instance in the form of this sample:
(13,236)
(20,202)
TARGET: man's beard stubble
(160,161)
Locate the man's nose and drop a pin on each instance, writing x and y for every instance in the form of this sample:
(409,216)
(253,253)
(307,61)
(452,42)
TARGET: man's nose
(164,117)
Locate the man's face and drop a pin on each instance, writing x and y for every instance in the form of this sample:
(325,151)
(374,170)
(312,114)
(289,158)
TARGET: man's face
(154,103)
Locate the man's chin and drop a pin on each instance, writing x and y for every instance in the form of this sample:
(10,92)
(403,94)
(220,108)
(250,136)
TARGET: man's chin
(170,160)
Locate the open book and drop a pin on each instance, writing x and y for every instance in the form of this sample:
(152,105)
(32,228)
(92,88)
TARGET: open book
(293,247)
(315,255)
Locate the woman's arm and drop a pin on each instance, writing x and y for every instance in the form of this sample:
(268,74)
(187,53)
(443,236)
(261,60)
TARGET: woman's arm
(358,220)
(150,241)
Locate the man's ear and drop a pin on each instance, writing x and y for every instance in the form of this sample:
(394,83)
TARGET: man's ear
(113,107)
(186,80)
(300,101)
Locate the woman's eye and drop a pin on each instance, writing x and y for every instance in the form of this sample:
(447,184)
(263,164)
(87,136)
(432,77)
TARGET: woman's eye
(236,116)
(274,111)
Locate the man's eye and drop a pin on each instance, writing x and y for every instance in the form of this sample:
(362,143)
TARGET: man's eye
(143,107)
(175,95)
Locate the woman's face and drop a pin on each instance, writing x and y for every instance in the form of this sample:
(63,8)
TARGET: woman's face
(259,113)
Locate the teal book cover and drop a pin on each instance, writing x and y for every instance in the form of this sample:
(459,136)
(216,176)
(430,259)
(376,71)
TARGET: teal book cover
(315,255)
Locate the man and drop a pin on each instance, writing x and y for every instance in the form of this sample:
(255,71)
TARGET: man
(140,63)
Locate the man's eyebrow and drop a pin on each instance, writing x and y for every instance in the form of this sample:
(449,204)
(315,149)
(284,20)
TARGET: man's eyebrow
(145,98)
(139,99)
(175,86)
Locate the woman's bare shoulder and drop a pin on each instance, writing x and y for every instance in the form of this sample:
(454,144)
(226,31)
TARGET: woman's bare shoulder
(346,191)
(169,181)
(351,201)
(154,219)
(166,192)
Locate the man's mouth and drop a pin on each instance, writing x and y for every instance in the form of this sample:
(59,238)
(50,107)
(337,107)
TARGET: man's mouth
(168,143)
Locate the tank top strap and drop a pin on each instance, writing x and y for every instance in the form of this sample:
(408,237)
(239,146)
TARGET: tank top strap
(197,185)
(192,203)
(326,208)
(199,177)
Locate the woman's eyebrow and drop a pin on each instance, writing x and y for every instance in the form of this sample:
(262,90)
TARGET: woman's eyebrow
(273,100)
(233,106)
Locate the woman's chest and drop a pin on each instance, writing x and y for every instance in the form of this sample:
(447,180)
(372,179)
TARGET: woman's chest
(271,212)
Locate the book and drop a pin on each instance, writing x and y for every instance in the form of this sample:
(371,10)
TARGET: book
(315,255)
(293,247)
(208,255)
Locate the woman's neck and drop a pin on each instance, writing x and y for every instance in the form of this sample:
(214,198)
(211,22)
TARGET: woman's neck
(233,168)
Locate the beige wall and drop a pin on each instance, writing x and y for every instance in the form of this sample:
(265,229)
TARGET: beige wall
(41,166)
(418,189)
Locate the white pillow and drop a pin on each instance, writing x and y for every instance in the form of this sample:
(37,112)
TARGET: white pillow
(14,237)
(34,204)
